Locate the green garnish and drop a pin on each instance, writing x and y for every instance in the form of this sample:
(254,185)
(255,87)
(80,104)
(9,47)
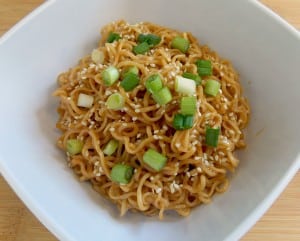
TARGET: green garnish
(121,173)
(181,44)
(74,146)
(154,159)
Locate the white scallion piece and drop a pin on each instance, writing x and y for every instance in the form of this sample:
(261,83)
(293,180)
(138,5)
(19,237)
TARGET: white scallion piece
(85,100)
(185,86)
(97,56)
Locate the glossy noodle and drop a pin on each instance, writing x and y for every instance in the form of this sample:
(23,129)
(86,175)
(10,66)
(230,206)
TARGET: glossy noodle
(194,171)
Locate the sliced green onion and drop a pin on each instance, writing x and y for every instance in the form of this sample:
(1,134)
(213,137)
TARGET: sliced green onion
(150,39)
(113,37)
(212,87)
(154,159)
(188,105)
(111,147)
(183,122)
(192,76)
(204,67)
(85,100)
(181,44)
(97,56)
(130,81)
(212,136)
(188,121)
(185,86)
(121,173)
(154,83)
(115,101)
(178,121)
(131,69)
(141,48)
(74,146)
(163,96)
(110,75)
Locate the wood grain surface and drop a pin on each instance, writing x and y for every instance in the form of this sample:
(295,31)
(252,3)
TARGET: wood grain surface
(280,223)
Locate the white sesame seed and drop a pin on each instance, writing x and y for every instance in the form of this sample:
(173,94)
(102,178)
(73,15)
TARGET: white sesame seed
(137,110)
(134,118)
(216,157)
(112,129)
(155,137)
(188,174)
(165,127)
(151,178)
(197,158)
(158,190)
(199,169)
(177,145)
(156,131)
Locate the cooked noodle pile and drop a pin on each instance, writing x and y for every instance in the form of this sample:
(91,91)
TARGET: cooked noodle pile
(194,171)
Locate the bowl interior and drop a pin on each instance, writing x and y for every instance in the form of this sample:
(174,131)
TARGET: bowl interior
(265,52)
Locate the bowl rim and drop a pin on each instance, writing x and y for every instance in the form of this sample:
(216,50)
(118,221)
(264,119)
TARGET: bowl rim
(62,234)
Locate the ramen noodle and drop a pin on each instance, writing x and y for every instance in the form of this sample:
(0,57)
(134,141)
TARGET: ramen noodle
(151,119)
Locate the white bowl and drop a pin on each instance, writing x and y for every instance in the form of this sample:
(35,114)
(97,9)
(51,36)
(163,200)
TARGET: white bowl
(264,49)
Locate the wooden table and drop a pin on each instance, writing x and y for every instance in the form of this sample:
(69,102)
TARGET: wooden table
(280,223)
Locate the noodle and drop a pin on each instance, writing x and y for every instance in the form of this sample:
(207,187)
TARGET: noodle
(194,172)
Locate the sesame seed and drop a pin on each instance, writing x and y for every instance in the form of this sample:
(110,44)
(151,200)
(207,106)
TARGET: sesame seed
(216,157)
(112,129)
(197,158)
(156,131)
(151,178)
(137,110)
(188,174)
(134,118)
(158,190)
(165,127)
(139,135)
(199,169)
(155,137)
(177,145)
(108,92)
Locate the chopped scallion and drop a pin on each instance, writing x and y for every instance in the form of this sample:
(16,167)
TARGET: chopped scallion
(180,43)
(74,146)
(188,105)
(204,67)
(212,136)
(192,76)
(163,96)
(183,122)
(110,75)
(141,48)
(150,39)
(178,122)
(97,56)
(212,87)
(154,83)
(130,81)
(121,173)
(188,121)
(115,101)
(113,37)
(154,159)
(184,85)
(131,69)
(85,100)
(111,147)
